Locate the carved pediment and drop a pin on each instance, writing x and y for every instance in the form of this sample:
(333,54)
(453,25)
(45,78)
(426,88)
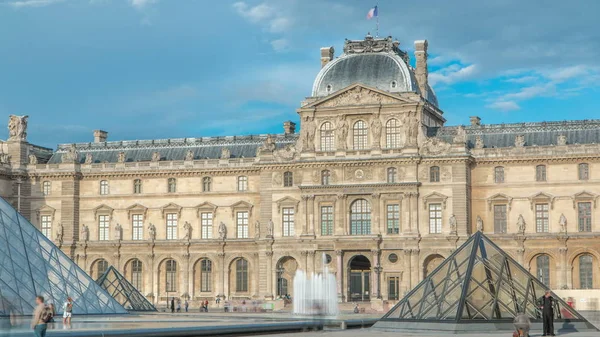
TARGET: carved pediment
(584,196)
(103,210)
(287,202)
(206,207)
(241,206)
(435,197)
(136,209)
(542,197)
(171,208)
(499,198)
(45,210)
(357,94)
(434,146)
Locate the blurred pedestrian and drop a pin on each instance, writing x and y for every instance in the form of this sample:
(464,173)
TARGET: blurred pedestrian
(68,311)
(186,305)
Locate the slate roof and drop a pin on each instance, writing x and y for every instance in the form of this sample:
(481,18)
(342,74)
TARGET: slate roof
(43,154)
(536,134)
(173,149)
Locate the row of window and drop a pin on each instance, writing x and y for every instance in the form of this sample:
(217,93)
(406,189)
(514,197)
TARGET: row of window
(585,272)
(542,217)
(242,185)
(583,173)
(360,135)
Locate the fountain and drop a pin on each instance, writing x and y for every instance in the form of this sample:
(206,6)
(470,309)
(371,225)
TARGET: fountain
(315,294)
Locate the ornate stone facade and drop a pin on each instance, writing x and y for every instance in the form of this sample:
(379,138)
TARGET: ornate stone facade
(374,183)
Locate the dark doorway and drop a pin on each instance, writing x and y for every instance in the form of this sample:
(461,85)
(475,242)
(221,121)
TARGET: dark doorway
(359,279)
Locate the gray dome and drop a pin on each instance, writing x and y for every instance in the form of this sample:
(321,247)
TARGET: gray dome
(384,71)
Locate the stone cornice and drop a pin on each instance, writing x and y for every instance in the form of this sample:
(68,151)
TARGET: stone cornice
(358,186)
(148,174)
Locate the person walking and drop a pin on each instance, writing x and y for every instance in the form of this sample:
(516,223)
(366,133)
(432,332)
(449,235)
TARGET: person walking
(547,306)
(41,316)
(206,306)
(178,305)
(173,305)
(67,311)
(186,305)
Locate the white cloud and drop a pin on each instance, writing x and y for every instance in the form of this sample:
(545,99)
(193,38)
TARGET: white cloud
(452,74)
(504,106)
(140,4)
(280,45)
(522,79)
(567,73)
(548,89)
(265,15)
(33,3)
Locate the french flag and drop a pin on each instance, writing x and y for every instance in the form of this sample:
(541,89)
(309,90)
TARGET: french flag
(372,13)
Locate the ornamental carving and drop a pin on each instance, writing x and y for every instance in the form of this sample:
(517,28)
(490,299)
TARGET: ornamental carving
(376,131)
(520,141)
(446,174)
(156,156)
(89,158)
(33,159)
(358,174)
(307,133)
(479,142)
(461,135)
(434,146)
(71,156)
(561,140)
(341,132)
(17,127)
(189,155)
(358,96)
(277,178)
(121,157)
(285,154)
(225,153)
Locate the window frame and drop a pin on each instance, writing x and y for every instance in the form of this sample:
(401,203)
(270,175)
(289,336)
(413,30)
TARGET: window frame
(499,174)
(360,217)
(46,225)
(46,188)
(171,276)
(104,187)
(542,217)
(206,225)
(137,276)
(587,274)
(241,275)
(544,271)
(435,222)
(325,177)
(500,222)
(360,135)
(205,276)
(540,173)
(392,217)
(583,171)
(584,222)
(137,186)
(392,175)
(242,219)
(206,184)
(172,185)
(288,221)
(103,227)
(242,183)
(288,179)
(434,174)
(392,133)
(137,227)
(327,220)
(172,220)
(327,137)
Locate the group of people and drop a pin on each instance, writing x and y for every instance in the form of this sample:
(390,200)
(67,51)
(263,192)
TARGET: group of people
(44,314)
(175,306)
(523,324)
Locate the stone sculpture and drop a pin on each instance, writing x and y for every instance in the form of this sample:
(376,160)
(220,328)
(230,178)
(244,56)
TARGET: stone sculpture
(187,229)
(521,224)
(84,233)
(452,223)
(152,232)
(479,224)
(222,231)
(17,127)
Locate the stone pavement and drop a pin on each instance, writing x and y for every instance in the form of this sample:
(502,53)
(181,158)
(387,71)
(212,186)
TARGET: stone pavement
(379,333)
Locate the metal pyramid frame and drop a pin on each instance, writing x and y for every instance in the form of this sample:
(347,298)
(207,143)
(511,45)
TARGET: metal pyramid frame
(123,291)
(31,265)
(478,283)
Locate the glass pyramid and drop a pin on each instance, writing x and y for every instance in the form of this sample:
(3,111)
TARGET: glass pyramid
(478,283)
(123,291)
(31,265)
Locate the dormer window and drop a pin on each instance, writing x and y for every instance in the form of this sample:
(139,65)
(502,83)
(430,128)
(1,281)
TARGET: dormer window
(328,88)
(394,84)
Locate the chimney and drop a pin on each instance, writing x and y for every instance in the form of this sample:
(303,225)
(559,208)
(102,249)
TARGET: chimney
(326,55)
(289,127)
(475,120)
(100,136)
(421,71)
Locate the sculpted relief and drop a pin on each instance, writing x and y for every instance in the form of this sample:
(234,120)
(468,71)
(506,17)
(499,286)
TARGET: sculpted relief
(17,127)
(358,96)
(434,146)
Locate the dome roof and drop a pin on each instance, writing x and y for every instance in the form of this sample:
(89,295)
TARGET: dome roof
(374,62)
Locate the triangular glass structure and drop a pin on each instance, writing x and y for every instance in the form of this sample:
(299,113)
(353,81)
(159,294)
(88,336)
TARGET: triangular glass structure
(31,265)
(477,283)
(123,291)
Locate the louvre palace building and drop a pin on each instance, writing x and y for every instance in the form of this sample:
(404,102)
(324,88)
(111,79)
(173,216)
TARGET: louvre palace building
(372,183)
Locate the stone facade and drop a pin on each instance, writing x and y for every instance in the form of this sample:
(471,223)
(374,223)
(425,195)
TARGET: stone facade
(373,185)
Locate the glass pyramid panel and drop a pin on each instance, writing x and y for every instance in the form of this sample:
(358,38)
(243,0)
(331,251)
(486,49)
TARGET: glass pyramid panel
(478,282)
(31,265)
(123,291)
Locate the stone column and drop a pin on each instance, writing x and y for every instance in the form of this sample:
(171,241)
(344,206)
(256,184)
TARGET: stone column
(340,274)
(221,274)
(521,256)
(340,222)
(406,226)
(407,280)
(417,269)
(269,262)
(376,209)
(414,212)
(563,283)
(154,276)
(304,255)
(305,226)
(186,288)
(375,279)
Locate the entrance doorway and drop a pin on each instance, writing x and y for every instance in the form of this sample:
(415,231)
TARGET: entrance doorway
(286,270)
(359,279)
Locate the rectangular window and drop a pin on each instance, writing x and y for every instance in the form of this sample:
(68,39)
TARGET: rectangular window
(499,219)
(171,285)
(103,227)
(435,218)
(540,173)
(172,226)
(136,279)
(584,212)
(104,187)
(499,174)
(138,226)
(393,219)
(47,226)
(326,220)
(205,276)
(542,223)
(207,225)
(242,183)
(46,188)
(242,225)
(393,288)
(288,221)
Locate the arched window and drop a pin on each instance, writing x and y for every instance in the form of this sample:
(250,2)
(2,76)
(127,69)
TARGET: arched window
(103,187)
(205,275)
(327,137)
(325,175)
(241,275)
(288,179)
(242,183)
(101,267)
(136,274)
(542,263)
(499,174)
(586,272)
(359,135)
(392,174)
(172,185)
(360,217)
(46,188)
(434,174)
(171,275)
(540,173)
(584,171)
(392,133)
(206,184)
(137,186)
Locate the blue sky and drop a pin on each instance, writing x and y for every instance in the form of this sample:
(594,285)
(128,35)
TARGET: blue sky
(144,69)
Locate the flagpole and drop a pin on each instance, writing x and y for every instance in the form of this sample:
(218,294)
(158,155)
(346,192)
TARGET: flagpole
(377,30)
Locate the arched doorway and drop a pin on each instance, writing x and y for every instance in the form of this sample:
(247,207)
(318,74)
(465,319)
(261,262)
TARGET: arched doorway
(359,279)
(431,262)
(286,270)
